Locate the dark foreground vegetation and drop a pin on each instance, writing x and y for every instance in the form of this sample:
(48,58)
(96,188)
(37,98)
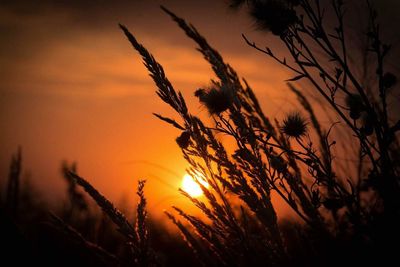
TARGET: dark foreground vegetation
(74,232)
(345,214)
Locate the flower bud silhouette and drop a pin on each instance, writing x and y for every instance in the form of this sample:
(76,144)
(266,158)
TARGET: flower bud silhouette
(183,140)
(294,125)
(216,100)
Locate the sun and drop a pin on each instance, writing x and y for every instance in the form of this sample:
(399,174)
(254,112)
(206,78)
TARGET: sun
(190,186)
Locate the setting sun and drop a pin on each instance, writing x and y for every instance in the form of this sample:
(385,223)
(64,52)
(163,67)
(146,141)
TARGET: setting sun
(200,133)
(190,186)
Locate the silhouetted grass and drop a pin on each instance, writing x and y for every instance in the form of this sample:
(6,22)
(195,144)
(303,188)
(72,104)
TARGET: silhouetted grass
(343,214)
(77,233)
(342,217)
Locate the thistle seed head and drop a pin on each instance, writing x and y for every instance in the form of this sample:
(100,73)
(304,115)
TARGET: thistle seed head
(274,15)
(216,100)
(367,125)
(294,125)
(355,104)
(278,163)
(183,140)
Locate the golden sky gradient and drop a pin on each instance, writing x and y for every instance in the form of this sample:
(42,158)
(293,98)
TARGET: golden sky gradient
(72,88)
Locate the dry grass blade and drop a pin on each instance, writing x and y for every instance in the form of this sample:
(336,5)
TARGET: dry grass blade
(200,251)
(115,215)
(140,224)
(72,233)
(224,72)
(13,185)
(170,121)
(209,234)
(165,89)
(143,254)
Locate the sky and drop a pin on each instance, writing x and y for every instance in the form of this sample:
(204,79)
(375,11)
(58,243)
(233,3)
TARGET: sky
(72,88)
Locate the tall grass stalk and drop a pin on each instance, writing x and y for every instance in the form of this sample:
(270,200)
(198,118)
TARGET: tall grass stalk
(293,158)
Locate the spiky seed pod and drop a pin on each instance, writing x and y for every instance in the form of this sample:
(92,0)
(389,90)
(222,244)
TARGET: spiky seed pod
(273,15)
(389,80)
(215,100)
(294,125)
(183,140)
(278,163)
(356,106)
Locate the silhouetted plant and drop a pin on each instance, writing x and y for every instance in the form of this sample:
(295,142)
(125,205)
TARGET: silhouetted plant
(346,216)
(97,254)
(137,234)
(77,202)
(13,185)
(79,234)
(341,211)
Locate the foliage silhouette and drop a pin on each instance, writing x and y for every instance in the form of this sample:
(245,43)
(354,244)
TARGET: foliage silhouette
(341,212)
(342,217)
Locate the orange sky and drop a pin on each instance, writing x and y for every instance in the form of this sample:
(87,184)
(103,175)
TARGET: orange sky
(71,87)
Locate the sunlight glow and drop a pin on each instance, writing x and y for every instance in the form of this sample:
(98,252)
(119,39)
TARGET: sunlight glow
(190,186)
